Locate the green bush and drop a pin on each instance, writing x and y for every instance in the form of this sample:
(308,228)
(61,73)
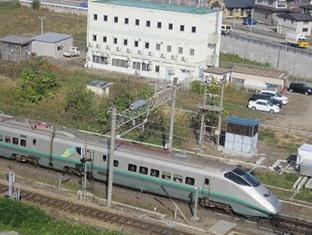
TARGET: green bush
(27,219)
(35,4)
(268,136)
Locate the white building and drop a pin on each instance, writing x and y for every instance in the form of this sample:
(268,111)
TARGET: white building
(294,22)
(152,39)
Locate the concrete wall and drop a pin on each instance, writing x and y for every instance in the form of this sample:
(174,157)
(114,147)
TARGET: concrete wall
(294,61)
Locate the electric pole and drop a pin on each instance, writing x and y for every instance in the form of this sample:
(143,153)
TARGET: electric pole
(111,157)
(172,113)
(41,18)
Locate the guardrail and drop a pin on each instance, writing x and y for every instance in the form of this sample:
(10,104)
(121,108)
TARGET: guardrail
(57,5)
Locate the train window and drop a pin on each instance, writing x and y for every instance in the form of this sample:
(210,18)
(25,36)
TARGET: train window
(246,176)
(132,167)
(190,180)
(34,141)
(166,175)
(15,141)
(178,178)
(7,139)
(143,170)
(116,163)
(104,157)
(1,138)
(154,172)
(235,178)
(206,181)
(23,142)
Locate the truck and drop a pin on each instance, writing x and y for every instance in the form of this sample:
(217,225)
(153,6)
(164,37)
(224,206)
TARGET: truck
(296,40)
(73,51)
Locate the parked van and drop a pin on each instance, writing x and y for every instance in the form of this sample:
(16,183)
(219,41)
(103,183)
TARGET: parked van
(226,29)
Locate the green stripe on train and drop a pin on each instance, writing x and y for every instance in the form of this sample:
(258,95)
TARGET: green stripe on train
(121,172)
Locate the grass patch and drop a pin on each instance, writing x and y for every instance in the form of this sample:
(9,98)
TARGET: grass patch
(285,180)
(235,59)
(304,195)
(267,136)
(284,195)
(30,220)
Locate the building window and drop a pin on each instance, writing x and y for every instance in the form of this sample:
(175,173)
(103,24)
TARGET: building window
(146,45)
(154,173)
(136,43)
(157,46)
(189,180)
(119,63)
(157,68)
(180,50)
(168,48)
(105,18)
(126,20)
(182,28)
(98,59)
(60,48)
(305,30)
(192,51)
(132,167)
(116,163)
(148,23)
(144,66)
(126,42)
(104,157)
(94,38)
(159,25)
(115,19)
(137,22)
(94,16)
(104,39)
(170,26)
(193,29)
(136,65)
(115,41)
(143,170)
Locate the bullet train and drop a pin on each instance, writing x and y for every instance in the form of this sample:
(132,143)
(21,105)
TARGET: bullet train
(138,167)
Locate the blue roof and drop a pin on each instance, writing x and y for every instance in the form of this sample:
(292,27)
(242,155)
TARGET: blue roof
(242,121)
(239,3)
(52,37)
(159,6)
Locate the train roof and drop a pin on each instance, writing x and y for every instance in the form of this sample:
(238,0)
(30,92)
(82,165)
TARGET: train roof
(134,149)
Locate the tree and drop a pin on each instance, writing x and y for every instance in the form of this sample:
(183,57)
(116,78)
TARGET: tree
(36,84)
(35,4)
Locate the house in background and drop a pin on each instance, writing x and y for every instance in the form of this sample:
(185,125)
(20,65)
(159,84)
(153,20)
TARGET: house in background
(218,74)
(294,22)
(52,44)
(237,8)
(15,48)
(99,88)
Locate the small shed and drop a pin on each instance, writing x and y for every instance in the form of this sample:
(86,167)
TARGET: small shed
(259,78)
(218,74)
(52,44)
(15,48)
(100,88)
(306,167)
(241,135)
(304,153)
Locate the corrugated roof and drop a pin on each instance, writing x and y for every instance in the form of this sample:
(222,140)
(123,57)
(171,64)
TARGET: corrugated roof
(16,40)
(264,72)
(159,6)
(238,3)
(296,17)
(242,121)
(52,37)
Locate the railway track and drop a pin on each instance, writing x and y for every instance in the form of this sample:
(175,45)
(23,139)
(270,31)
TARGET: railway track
(93,213)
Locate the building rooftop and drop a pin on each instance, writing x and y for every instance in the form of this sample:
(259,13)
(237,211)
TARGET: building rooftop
(296,17)
(242,121)
(258,71)
(159,6)
(16,40)
(217,70)
(52,37)
(238,3)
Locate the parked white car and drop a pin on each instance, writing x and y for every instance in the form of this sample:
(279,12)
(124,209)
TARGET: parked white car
(263,105)
(73,51)
(275,95)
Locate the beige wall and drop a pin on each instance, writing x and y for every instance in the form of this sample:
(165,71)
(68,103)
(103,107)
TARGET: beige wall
(235,13)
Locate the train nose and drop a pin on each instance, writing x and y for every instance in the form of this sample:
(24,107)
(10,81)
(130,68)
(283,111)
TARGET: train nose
(275,206)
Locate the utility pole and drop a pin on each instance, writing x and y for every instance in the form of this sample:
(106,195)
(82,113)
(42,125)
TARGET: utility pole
(172,113)
(220,114)
(111,157)
(41,18)
(202,121)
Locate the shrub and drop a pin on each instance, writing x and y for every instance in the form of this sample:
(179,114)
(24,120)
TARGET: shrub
(35,4)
